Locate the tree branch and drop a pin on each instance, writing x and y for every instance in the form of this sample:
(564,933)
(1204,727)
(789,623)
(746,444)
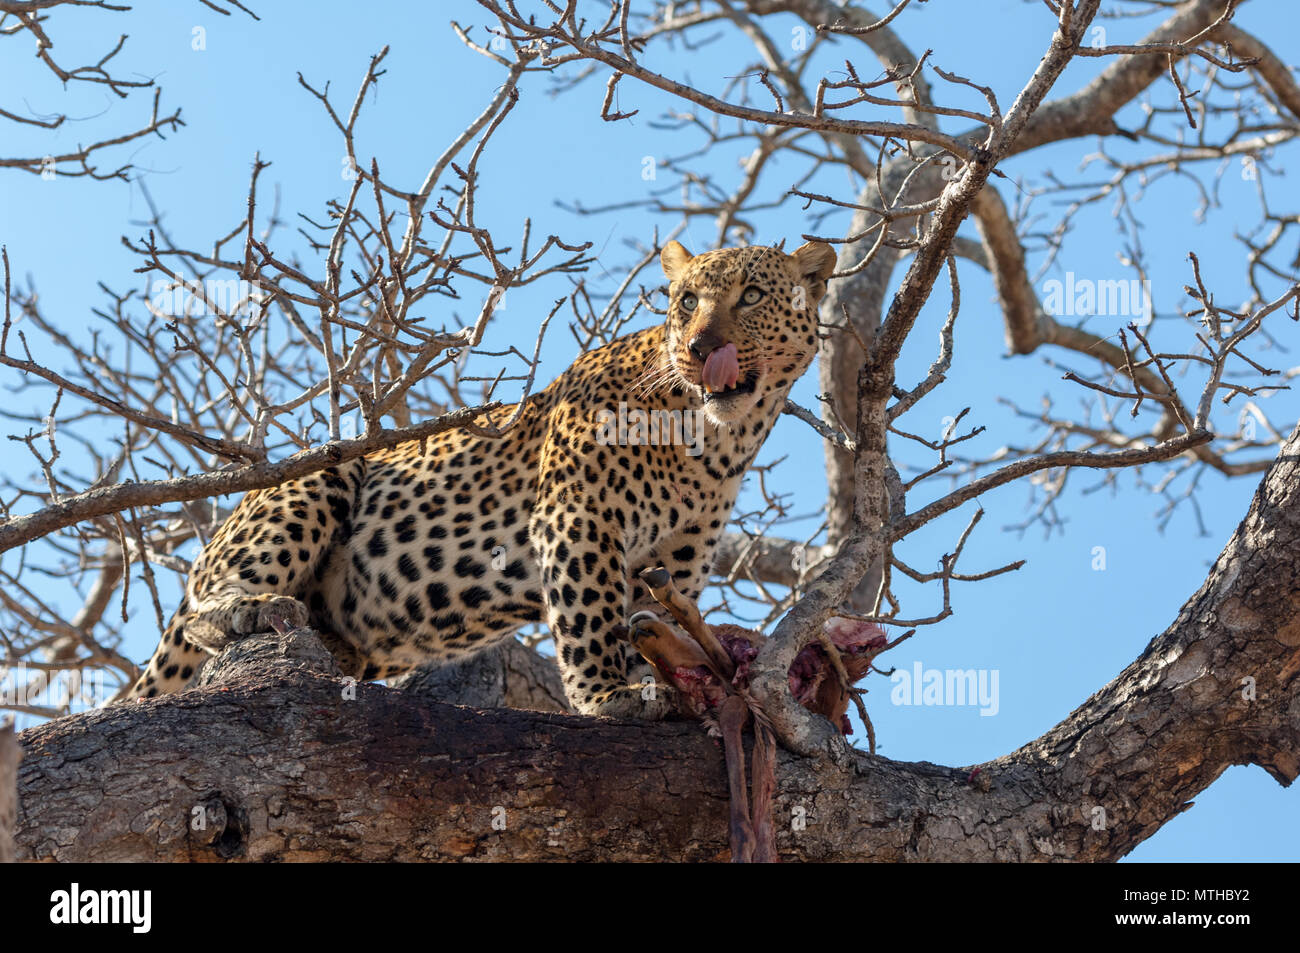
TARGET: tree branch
(283,760)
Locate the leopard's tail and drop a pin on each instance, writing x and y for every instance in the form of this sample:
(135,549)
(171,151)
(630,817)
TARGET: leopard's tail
(175,661)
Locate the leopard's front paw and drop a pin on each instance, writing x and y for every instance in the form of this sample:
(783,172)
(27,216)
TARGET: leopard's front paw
(645,702)
(268,612)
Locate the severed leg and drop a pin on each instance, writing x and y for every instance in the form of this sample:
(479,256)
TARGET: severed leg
(764,790)
(731,718)
(660,584)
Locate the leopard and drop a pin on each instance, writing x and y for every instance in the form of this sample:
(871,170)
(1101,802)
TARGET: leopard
(433,550)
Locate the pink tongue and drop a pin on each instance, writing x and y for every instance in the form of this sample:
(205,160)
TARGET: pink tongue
(721,369)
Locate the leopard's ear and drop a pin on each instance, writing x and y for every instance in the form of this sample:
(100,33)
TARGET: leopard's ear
(674,259)
(815,260)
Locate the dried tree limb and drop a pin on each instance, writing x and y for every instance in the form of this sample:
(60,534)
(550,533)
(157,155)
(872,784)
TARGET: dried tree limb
(420,781)
(866,544)
(19,530)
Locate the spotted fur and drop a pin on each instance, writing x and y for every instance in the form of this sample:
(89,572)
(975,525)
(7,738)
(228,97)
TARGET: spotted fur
(434,552)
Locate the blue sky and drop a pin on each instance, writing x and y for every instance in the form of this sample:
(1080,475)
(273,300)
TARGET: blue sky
(1055,632)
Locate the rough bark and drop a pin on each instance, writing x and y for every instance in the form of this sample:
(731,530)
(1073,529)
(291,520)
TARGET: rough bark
(282,764)
(10,754)
(509,676)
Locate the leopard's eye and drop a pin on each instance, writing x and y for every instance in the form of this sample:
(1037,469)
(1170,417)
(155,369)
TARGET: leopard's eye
(689,301)
(751,295)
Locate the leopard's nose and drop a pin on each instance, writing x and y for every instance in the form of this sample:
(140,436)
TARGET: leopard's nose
(702,345)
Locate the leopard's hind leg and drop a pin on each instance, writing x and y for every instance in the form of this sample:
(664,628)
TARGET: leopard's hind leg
(174,662)
(248,578)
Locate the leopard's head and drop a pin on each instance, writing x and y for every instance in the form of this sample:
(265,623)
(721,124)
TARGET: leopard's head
(742,322)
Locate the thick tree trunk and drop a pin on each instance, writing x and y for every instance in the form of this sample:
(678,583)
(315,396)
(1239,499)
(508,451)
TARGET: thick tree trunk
(10,754)
(275,757)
